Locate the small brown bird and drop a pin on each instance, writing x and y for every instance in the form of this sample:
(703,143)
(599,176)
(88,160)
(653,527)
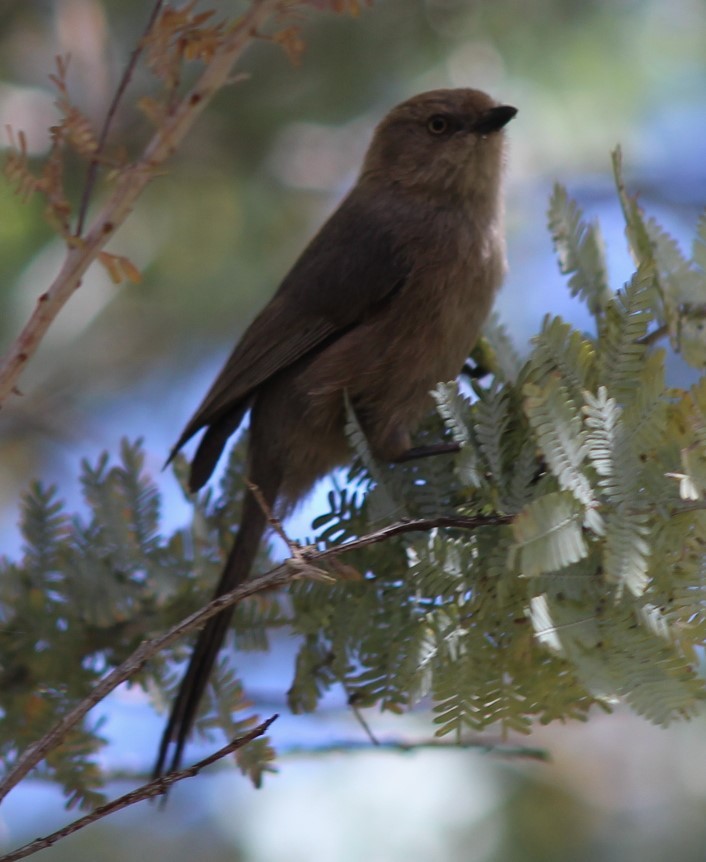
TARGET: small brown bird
(387,300)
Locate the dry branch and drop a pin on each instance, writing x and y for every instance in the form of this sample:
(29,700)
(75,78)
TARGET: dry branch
(278,577)
(131,182)
(156,787)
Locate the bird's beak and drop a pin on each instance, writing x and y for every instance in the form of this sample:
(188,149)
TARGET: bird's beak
(493,119)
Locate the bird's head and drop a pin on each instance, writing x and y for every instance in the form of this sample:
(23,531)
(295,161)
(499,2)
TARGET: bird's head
(441,143)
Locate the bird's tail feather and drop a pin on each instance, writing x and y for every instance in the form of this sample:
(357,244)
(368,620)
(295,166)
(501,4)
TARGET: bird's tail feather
(209,642)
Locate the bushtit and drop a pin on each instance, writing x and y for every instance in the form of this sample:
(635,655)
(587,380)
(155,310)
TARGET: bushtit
(387,300)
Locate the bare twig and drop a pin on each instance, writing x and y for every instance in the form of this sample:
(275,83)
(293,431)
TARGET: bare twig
(686,312)
(355,746)
(103,137)
(417,525)
(272,520)
(299,557)
(156,787)
(483,745)
(653,337)
(278,577)
(362,721)
(129,185)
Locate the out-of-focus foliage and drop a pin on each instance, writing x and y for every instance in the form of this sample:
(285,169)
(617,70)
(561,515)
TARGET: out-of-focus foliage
(213,237)
(596,460)
(89,588)
(260,170)
(588,589)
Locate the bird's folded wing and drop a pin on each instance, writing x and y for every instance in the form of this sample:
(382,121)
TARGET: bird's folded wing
(348,270)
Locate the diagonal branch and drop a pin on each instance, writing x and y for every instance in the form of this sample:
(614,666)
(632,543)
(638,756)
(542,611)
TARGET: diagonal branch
(498,748)
(156,787)
(415,525)
(131,182)
(278,577)
(103,137)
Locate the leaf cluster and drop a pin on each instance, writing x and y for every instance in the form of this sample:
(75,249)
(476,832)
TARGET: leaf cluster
(90,586)
(580,600)
(176,41)
(588,591)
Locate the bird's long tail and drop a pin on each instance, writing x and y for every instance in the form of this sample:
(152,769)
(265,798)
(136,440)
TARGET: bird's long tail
(210,640)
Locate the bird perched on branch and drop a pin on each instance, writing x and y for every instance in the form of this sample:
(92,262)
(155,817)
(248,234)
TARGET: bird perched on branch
(387,300)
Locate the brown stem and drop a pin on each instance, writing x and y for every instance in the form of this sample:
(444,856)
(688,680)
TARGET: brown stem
(278,577)
(417,525)
(497,747)
(654,336)
(156,787)
(112,110)
(130,184)
(33,755)
(272,520)
(428,451)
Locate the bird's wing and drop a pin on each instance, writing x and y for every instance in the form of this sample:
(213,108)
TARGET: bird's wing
(348,270)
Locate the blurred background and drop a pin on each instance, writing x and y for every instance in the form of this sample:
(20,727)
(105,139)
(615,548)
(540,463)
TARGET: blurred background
(261,170)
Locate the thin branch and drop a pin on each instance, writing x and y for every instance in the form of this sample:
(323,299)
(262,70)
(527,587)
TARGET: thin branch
(687,311)
(356,746)
(154,788)
(358,714)
(653,337)
(129,186)
(272,520)
(298,558)
(363,722)
(109,117)
(280,576)
(417,525)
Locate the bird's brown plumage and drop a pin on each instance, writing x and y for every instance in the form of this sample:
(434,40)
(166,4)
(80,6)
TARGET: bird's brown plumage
(387,300)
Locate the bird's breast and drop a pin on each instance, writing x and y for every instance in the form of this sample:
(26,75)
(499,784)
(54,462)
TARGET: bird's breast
(389,363)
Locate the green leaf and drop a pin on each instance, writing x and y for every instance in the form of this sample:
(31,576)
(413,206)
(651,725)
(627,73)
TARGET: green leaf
(492,416)
(626,554)
(454,410)
(699,247)
(617,654)
(615,442)
(580,251)
(43,525)
(548,534)
(506,363)
(561,438)
(621,343)
(635,227)
(681,282)
(561,349)
(386,499)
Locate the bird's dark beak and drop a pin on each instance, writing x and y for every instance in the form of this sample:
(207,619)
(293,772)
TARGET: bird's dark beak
(493,119)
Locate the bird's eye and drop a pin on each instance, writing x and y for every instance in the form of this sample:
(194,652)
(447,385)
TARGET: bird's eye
(437,125)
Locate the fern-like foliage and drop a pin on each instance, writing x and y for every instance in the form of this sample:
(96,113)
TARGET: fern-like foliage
(579,249)
(496,351)
(583,584)
(698,252)
(556,421)
(561,350)
(680,283)
(548,534)
(89,588)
